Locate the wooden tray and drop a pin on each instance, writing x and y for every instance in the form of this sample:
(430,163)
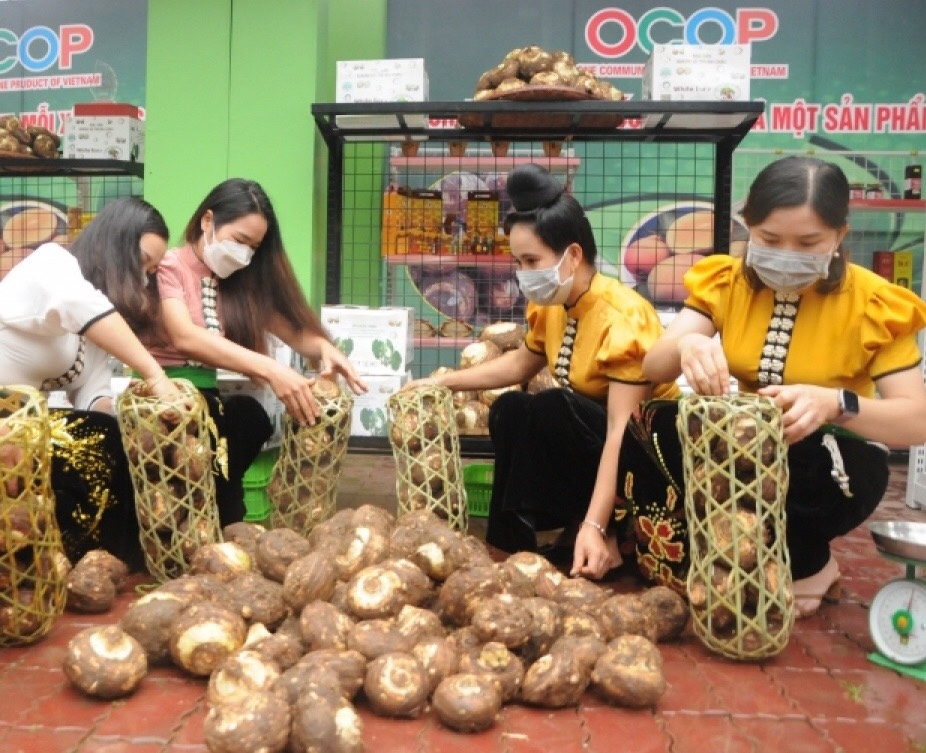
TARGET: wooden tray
(542,120)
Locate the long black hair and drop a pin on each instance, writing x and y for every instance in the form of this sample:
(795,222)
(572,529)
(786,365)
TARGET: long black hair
(799,181)
(558,219)
(109,256)
(268,285)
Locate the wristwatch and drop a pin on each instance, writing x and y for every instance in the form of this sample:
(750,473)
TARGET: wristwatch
(848,404)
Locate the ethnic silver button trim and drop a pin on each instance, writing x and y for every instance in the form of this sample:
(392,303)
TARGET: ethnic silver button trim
(778,339)
(564,357)
(209,288)
(73,372)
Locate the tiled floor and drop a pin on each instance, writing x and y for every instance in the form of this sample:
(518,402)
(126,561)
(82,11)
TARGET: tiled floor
(820,694)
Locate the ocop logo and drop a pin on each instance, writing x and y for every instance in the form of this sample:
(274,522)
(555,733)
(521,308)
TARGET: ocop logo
(701,27)
(38,48)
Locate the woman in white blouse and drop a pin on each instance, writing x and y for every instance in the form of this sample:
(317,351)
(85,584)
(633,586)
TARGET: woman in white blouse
(62,313)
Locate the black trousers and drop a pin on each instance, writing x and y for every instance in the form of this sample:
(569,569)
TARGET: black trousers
(244,424)
(547,450)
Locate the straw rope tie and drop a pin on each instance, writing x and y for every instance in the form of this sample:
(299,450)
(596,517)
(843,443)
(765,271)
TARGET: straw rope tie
(73,372)
(778,339)
(564,359)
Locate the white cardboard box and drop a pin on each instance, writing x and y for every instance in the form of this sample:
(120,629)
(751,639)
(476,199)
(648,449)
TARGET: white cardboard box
(702,72)
(105,130)
(378,341)
(369,416)
(395,80)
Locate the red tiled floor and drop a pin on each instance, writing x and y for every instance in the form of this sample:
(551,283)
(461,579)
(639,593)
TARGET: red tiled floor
(820,695)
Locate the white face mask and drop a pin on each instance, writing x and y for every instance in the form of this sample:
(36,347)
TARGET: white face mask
(225,257)
(543,286)
(785,270)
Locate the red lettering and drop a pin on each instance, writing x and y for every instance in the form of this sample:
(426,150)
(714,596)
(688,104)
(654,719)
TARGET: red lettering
(75,39)
(595,25)
(755,24)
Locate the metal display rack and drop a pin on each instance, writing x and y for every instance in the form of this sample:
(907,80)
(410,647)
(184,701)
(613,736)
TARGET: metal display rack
(665,152)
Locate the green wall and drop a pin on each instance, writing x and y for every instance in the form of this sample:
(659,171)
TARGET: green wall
(230,84)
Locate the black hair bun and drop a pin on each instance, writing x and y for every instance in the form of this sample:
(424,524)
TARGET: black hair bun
(531,187)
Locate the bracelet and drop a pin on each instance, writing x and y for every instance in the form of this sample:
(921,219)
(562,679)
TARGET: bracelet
(597,526)
(160,377)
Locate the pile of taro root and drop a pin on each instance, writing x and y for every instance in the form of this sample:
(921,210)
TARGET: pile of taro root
(396,615)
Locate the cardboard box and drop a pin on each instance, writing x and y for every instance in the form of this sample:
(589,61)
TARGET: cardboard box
(105,130)
(700,72)
(396,80)
(378,341)
(370,417)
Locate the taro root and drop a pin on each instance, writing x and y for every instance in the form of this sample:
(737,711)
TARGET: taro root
(196,588)
(105,662)
(375,592)
(90,589)
(241,674)
(23,614)
(259,722)
(276,549)
(630,673)
(115,568)
(472,415)
(467,702)
(361,547)
(149,619)
(670,609)
(478,352)
(282,649)
(441,553)
(417,623)
(496,661)
(192,534)
(461,592)
(203,636)
(324,626)
(585,648)
(375,517)
(310,577)
(475,551)
(737,538)
(503,618)
(349,666)
(376,637)
(546,626)
(257,599)
(396,685)
(580,593)
(464,640)
(225,560)
(245,535)
(721,617)
(577,621)
(533,59)
(325,727)
(305,680)
(437,657)
(555,681)
(531,564)
(626,614)
(546,583)
(18,528)
(505,335)
(417,586)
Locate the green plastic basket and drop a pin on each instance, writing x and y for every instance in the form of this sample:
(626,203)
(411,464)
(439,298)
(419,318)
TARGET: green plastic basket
(257,477)
(477,479)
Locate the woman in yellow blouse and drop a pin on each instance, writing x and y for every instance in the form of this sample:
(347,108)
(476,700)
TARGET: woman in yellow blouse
(556,451)
(820,336)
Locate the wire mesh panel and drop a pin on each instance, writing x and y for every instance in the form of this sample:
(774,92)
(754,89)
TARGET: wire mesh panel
(39,207)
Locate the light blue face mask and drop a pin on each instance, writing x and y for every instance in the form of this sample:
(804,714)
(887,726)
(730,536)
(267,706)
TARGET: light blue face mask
(543,286)
(785,270)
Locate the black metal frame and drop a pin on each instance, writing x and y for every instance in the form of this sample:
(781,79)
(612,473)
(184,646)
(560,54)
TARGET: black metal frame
(27,167)
(723,124)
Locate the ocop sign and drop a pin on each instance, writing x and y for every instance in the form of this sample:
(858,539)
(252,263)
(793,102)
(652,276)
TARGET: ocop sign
(746,26)
(39,48)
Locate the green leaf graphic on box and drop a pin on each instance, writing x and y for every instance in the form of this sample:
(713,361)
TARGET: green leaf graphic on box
(396,360)
(383,351)
(344,344)
(373,420)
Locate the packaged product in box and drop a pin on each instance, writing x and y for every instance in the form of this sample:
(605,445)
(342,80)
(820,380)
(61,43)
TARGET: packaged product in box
(702,72)
(412,221)
(397,80)
(378,341)
(903,269)
(105,130)
(482,212)
(370,417)
(882,263)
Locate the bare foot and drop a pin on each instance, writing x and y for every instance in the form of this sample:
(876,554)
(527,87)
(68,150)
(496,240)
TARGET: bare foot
(810,591)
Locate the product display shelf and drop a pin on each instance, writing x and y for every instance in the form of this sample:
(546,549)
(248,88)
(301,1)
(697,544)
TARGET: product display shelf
(671,152)
(32,166)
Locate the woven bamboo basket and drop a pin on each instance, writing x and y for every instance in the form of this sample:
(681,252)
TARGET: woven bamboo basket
(736,480)
(426,448)
(169,444)
(33,566)
(304,483)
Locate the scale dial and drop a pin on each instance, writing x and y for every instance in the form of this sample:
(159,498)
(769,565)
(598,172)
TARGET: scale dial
(897,621)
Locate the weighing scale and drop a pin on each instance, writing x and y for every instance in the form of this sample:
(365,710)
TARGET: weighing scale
(897,616)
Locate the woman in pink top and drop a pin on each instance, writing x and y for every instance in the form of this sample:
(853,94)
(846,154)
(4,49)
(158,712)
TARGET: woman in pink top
(222,294)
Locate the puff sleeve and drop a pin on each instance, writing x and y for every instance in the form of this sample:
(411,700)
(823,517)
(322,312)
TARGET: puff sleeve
(710,284)
(535,337)
(624,344)
(889,325)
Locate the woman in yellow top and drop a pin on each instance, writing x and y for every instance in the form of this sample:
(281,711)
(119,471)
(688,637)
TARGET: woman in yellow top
(556,451)
(820,336)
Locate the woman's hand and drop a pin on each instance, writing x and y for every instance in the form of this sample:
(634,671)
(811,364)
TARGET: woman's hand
(295,392)
(161,386)
(423,382)
(593,555)
(704,364)
(805,408)
(334,362)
